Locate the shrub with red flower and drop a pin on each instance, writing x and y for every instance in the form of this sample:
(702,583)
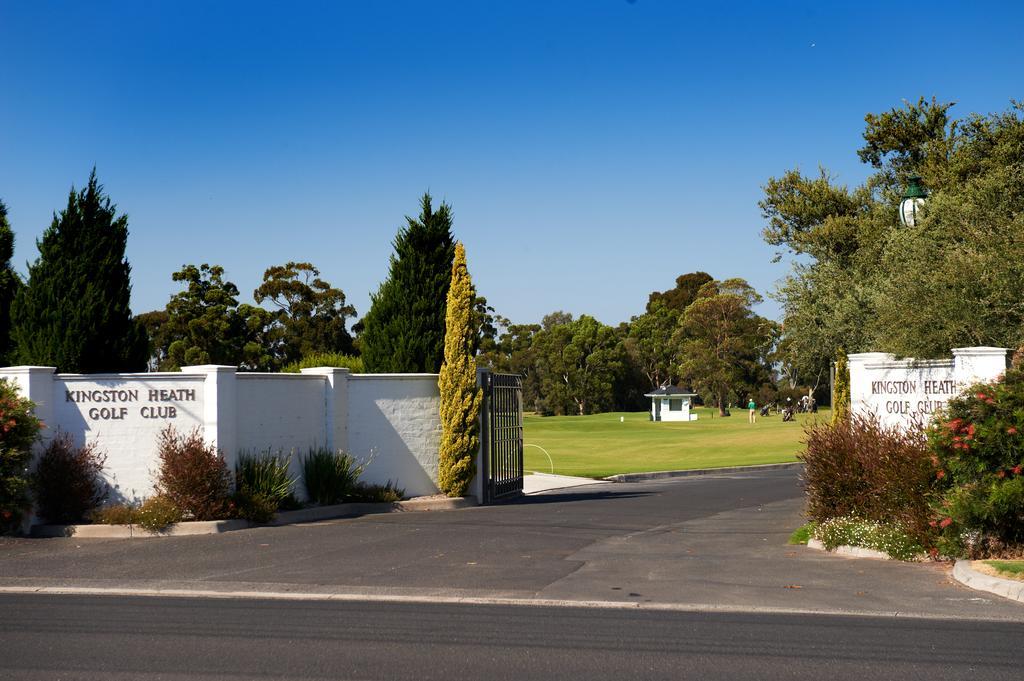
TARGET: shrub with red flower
(981,490)
(19,428)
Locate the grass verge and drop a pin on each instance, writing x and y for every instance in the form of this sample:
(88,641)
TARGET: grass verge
(1009,569)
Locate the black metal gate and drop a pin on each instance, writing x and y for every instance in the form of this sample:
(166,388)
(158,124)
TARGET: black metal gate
(501,435)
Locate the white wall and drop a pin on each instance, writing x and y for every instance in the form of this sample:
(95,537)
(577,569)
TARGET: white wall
(122,413)
(904,391)
(280,412)
(394,418)
(390,420)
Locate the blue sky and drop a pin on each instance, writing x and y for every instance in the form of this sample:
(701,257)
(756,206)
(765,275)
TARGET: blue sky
(592,151)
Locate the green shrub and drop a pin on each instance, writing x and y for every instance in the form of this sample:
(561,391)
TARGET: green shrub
(68,482)
(330,477)
(259,508)
(326,359)
(158,513)
(19,429)
(265,476)
(803,533)
(979,469)
(369,493)
(890,539)
(192,475)
(860,468)
(116,514)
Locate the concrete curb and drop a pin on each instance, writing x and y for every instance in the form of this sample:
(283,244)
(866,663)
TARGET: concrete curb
(849,551)
(661,475)
(304,515)
(964,573)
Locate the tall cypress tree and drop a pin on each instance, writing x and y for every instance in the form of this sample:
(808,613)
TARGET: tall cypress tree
(74,312)
(404,329)
(10,282)
(460,397)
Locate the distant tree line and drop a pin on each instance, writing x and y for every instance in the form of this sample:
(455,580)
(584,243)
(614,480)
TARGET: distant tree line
(702,334)
(73,313)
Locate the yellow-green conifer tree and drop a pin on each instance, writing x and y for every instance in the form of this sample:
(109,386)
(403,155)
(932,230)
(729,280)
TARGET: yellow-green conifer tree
(841,391)
(460,396)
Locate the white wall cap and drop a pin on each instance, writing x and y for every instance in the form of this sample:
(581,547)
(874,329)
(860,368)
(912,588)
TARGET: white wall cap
(209,369)
(320,371)
(395,377)
(983,351)
(911,363)
(869,356)
(26,369)
(154,376)
(281,376)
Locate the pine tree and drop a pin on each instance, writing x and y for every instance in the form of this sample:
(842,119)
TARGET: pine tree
(460,397)
(841,393)
(74,312)
(404,329)
(10,282)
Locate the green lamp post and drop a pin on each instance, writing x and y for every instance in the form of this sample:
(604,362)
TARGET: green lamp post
(913,201)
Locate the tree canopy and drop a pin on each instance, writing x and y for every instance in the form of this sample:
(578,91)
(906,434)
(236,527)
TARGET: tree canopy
(205,324)
(723,344)
(311,315)
(404,329)
(863,281)
(577,363)
(684,292)
(10,283)
(74,312)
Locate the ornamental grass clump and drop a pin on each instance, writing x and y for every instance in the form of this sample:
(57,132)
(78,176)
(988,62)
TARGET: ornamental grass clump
(330,477)
(263,485)
(19,428)
(979,470)
(68,480)
(192,475)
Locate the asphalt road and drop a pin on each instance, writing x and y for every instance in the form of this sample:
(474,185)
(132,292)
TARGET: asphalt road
(693,579)
(111,638)
(710,543)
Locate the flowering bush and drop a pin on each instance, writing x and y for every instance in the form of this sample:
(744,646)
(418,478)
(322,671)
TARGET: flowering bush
(19,428)
(979,469)
(887,538)
(157,513)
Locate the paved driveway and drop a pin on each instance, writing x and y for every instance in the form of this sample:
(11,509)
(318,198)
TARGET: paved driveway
(716,542)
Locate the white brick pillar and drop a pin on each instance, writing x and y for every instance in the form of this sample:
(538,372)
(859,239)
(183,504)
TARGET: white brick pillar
(860,381)
(220,408)
(36,383)
(982,364)
(335,405)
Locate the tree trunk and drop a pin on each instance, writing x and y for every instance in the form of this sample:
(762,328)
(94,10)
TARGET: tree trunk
(721,404)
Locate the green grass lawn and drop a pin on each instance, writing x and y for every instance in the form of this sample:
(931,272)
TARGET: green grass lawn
(599,445)
(1011,569)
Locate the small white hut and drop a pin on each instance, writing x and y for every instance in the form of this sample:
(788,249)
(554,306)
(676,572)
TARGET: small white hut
(669,403)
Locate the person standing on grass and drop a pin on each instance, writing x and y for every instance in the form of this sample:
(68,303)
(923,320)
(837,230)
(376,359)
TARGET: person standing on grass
(752,406)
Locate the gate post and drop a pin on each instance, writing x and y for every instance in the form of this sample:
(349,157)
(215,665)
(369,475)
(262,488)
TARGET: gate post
(481,484)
